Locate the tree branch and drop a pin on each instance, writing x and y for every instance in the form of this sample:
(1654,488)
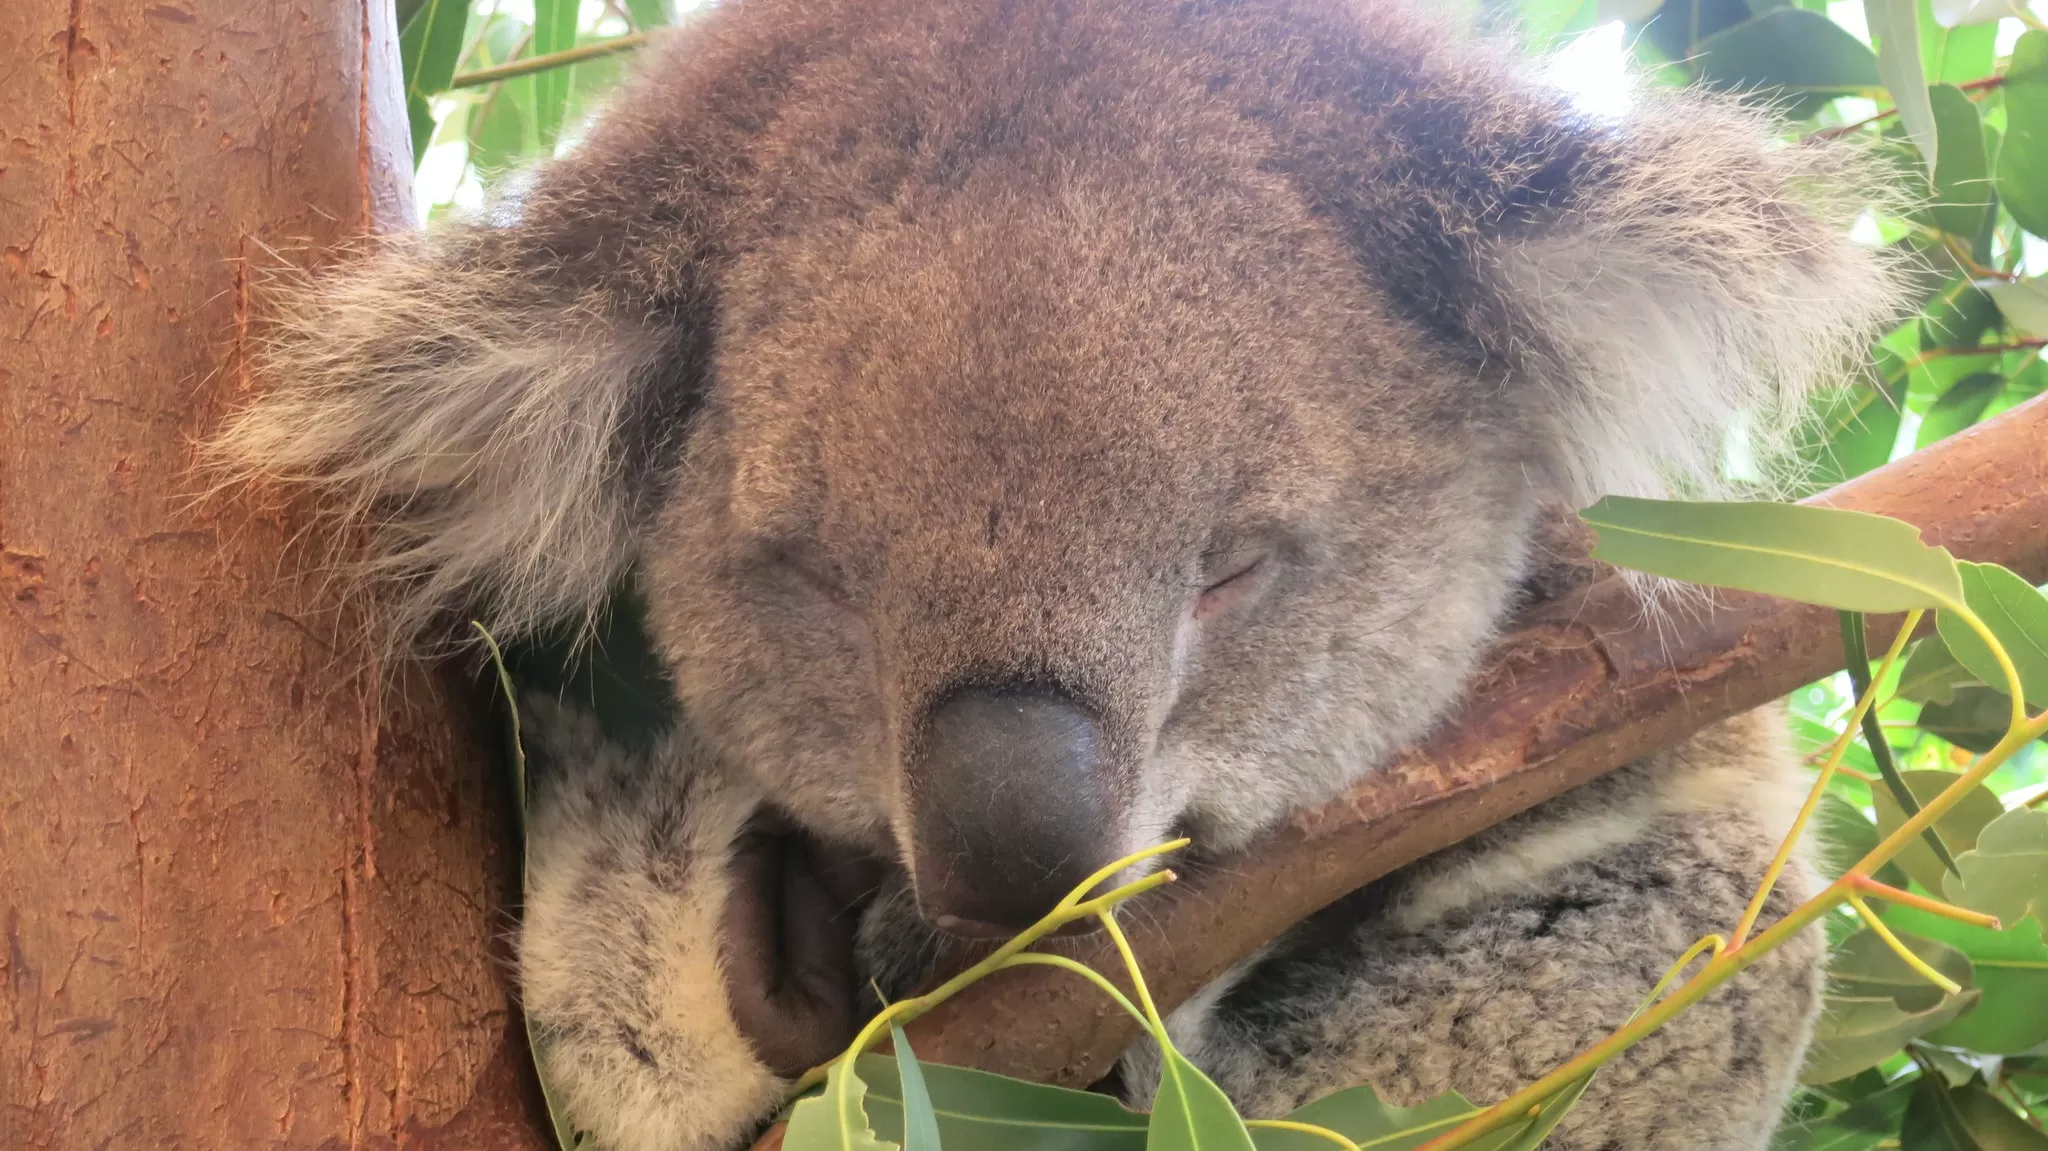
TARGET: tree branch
(1581,687)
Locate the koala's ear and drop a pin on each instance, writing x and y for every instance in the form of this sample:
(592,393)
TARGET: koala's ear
(490,427)
(1651,278)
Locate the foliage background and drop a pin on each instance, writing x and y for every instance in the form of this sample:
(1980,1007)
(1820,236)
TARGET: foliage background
(1955,92)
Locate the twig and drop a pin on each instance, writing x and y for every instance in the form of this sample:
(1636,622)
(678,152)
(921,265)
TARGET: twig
(1854,644)
(562,59)
(1984,85)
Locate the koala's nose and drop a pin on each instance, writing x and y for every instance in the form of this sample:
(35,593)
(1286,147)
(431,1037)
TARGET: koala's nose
(1009,808)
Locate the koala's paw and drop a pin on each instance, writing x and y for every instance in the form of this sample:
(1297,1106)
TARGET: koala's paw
(619,948)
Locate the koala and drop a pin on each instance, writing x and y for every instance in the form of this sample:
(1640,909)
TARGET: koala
(1038,429)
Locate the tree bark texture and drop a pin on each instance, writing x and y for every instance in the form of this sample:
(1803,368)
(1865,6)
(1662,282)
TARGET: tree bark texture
(1580,686)
(249,883)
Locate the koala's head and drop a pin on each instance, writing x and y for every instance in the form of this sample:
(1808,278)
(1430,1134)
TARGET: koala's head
(1037,429)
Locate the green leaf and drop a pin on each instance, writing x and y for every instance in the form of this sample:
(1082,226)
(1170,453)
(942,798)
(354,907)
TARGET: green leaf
(1960,406)
(836,1118)
(1958,317)
(1852,430)
(1358,1114)
(554,30)
(1875,1003)
(2016,614)
(2024,304)
(1932,674)
(1956,13)
(920,1125)
(1857,1033)
(984,1112)
(2009,969)
(2006,872)
(648,13)
(429,45)
(1191,1113)
(1858,1127)
(2023,157)
(1845,560)
(1944,1118)
(1866,968)
(1975,720)
(1634,11)
(1789,52)
(1680,25)
(1955,55)
(1845,836)
(1896,25)
(1962,169)
(1959,825)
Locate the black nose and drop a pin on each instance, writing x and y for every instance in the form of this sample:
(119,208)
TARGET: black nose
(1010,808)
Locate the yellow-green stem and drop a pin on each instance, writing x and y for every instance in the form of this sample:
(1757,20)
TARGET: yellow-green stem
(1123,948)
(1735,960)
(1887,892)
(1306,1129)
(1101,982)
(1071,908)
(1906,955)
(1820,784)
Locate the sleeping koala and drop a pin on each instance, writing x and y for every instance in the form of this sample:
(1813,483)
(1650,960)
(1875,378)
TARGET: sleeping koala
(1039,429)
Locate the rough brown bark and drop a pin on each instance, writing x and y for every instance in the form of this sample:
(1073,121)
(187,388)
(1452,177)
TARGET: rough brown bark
(243,902)
(1581,686)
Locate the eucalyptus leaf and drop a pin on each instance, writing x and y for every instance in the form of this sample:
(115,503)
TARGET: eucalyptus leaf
(1860,1126)
(1191,1113)
(920,1125)
(1855,1033)
(982,1112)
(2024,304)
(836,1118)
(1962,168)
(1799,56)
(1358,1114)
(1956,55)
(1944,1118)
(2016,614)
(1866,967)
(1932,673)
(1961,405)
(1843,836)
(1840,559)
(1975,720)
(1956,13)
(2006,872)
(554,30)
(1960,315)
(2022,171)
(2009,969)
(1852,431)
(1896,25)
(1958,826)
(1634,11)
(648,13)
(429,46)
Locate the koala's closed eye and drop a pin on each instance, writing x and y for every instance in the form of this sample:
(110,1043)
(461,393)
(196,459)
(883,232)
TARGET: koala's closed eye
(1233,579)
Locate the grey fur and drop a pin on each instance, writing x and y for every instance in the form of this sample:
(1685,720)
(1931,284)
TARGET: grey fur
(898,346)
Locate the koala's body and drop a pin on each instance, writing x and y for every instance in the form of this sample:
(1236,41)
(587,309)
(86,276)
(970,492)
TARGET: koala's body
(1036,428)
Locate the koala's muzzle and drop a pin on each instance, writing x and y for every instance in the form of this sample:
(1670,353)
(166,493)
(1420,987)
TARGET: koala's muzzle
(1010,808)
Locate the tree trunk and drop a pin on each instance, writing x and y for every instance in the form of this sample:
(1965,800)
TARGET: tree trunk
(245,902)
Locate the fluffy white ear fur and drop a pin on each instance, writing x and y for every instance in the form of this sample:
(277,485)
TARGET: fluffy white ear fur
(469,415)
(1705,269)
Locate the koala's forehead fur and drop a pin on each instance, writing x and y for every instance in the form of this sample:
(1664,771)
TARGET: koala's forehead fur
(1008,324)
